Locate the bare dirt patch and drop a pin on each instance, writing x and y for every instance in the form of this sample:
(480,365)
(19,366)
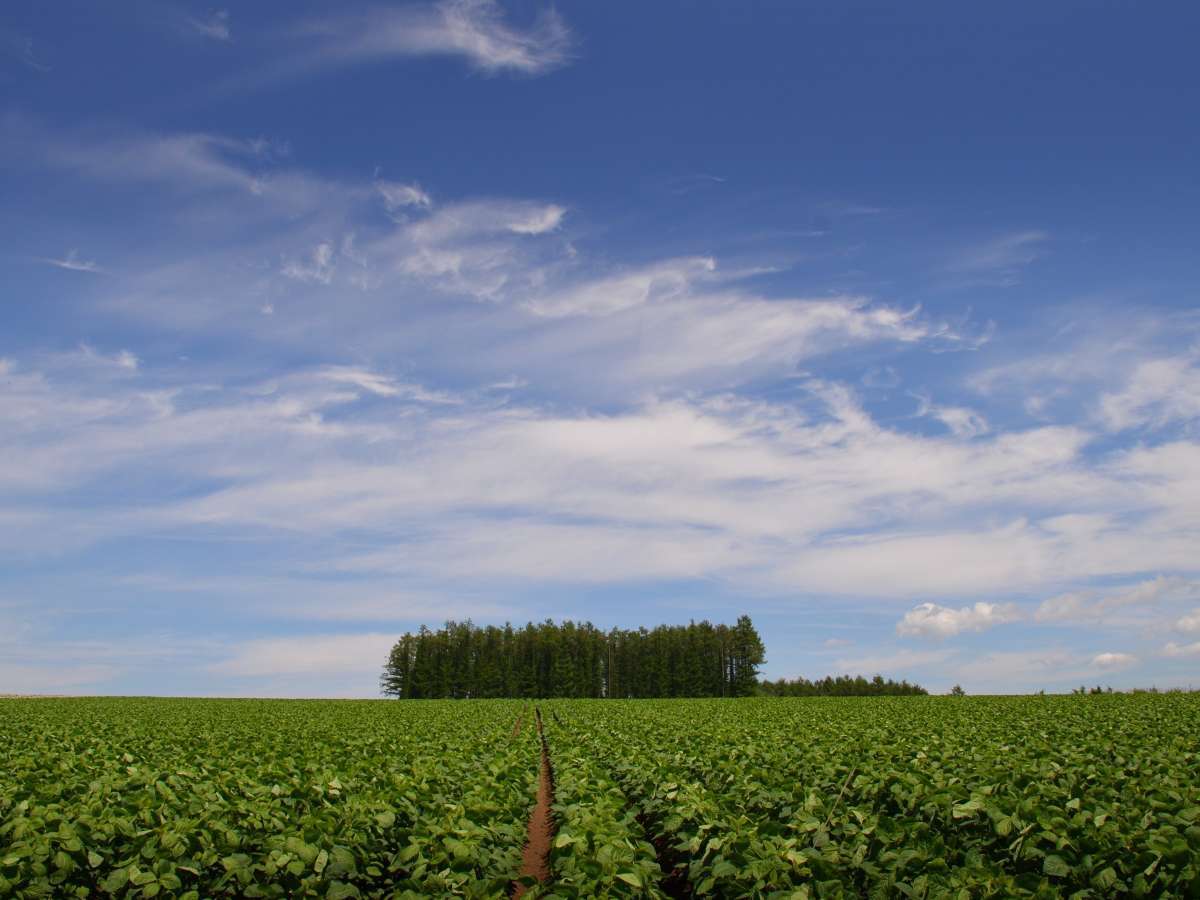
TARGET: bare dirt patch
(535,860)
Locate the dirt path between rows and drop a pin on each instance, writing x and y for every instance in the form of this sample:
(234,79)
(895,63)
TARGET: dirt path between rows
(535,860)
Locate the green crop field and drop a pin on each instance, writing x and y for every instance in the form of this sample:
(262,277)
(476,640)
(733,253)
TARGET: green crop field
(1087,796)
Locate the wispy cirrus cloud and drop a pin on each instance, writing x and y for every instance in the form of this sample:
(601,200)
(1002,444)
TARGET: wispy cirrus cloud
(962,421)
(337,654)
(997,261)
(20,47)
(770,496)
(214,26)
(657,282)
(674,322)
(1159,392)
(180,161)
(73,263)
(319,266)
(398,197)
(1098,608)
(1174,650)
(472,30)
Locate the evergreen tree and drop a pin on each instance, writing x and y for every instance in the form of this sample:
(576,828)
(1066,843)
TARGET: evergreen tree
(575,659)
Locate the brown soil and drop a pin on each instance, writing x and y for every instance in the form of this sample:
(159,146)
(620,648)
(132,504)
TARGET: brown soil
(517,726)
(535,860)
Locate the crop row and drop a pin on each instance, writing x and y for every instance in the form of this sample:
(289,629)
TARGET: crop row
(141,798)
(915,796)
(823,797)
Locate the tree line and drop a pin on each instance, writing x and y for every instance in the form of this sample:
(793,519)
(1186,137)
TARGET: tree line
(575,659)
(841,686)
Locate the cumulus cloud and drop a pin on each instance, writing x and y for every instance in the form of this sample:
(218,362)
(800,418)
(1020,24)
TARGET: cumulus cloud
(1113,660)
(1190,622)
(932,621)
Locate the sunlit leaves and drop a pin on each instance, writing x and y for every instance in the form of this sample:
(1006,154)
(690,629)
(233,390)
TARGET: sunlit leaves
(171,798)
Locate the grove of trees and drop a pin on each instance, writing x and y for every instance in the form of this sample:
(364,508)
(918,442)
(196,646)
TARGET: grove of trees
(575,659)
(841,686)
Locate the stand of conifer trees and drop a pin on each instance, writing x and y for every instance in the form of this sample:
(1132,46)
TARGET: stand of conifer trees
(573,659)
(841,686)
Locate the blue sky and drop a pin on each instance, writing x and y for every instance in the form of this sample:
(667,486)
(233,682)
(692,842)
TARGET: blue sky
(321,321)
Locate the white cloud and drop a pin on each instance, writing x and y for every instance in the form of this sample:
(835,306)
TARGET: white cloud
(1070,607)
(480,249)
(215,26)
(1173,649)
(382,385)
(998,260)
(808,494)
(1159,392)
(397,196)
(961,421)
(932,621)
(248,175)
(1190,622)
(473,30)
(1113,660)
(537,220)
(73,263)
(658,282)
(1089,607)
(654,331)
(179,160)
(1020,667)
(319,267)
(48,678)
(340,654)
(484,218)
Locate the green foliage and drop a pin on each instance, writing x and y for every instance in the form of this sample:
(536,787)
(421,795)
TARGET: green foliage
(825,797)
(461,660)
(842,686)
(600,849)
(914,796)
(186,798)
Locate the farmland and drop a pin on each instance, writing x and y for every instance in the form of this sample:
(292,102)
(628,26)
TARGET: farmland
(821,797)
